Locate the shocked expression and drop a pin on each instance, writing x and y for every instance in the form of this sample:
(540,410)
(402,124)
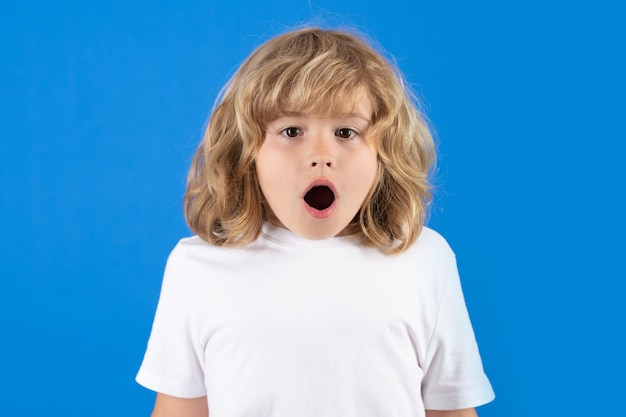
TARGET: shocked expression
(315,172)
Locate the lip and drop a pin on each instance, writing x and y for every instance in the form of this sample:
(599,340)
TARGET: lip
(327,212)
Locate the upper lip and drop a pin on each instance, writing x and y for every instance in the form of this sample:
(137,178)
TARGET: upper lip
(320,182)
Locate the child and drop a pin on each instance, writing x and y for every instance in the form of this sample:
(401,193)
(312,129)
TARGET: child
(312,287)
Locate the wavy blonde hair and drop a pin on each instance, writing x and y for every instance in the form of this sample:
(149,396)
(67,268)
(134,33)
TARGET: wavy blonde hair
(322,72)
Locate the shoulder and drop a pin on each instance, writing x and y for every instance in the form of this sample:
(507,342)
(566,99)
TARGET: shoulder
(186,250)
(431,236)
(193,249)
(191,244)
(431,244)
(431,259)
(193,258)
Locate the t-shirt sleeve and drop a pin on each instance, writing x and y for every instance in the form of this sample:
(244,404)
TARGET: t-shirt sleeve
(172,362)
(453,371)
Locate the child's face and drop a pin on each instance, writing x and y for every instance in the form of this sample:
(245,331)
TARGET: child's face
(315,172)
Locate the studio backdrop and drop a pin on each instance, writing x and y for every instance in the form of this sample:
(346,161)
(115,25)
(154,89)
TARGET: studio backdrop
(103,104)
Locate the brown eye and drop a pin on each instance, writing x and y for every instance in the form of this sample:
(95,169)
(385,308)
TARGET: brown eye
(291,132)
(345,133)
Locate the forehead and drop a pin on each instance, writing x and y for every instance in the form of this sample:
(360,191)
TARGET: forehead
(343,104)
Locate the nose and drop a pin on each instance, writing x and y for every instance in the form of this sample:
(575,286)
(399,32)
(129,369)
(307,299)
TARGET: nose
(327,163)
(321,153)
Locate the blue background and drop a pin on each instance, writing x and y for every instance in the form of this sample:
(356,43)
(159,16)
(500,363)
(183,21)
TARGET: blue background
(103,104)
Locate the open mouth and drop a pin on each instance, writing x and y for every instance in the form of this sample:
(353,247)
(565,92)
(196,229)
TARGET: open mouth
(320,197)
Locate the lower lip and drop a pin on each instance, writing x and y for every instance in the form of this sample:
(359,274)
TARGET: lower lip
(320,214)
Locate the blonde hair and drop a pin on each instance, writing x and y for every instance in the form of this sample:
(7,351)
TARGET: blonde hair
(318,71)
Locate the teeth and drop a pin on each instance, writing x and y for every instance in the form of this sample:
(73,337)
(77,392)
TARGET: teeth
(320,197)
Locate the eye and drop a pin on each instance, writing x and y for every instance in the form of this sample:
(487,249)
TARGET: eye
(345,133)
(291,131)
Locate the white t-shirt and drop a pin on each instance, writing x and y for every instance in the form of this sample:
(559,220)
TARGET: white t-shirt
(290,327)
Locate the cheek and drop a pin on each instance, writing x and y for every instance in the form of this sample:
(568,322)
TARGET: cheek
(274,174)
(264,163)
(364,175)
(369,167)
(268,165)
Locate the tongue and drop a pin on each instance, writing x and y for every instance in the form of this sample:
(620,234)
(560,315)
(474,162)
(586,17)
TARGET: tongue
(319,198)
